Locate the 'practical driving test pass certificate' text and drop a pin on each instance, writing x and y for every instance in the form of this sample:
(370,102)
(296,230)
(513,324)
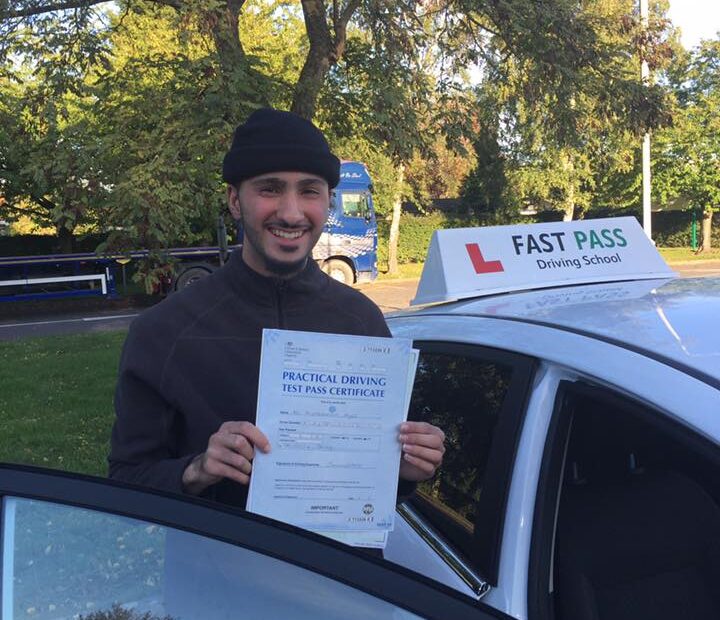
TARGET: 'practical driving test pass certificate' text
(331,406)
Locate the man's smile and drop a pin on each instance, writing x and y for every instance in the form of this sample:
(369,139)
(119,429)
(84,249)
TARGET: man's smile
(287,234)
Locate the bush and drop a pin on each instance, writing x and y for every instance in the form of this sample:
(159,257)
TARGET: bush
(674,229)
(120,613)
(671,229)
(415,234)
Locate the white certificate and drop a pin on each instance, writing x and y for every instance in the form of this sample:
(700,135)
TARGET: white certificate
(330,406)
(368,539)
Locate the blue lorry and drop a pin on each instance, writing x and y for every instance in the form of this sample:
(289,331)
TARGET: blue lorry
(347,251)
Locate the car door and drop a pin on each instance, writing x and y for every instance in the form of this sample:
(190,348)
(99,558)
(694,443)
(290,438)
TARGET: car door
(86,548)
(559,356)
(627,485)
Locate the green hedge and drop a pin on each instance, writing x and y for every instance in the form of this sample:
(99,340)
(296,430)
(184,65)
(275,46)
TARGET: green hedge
(671,229)
(674,229)
(415,233)
(416,230)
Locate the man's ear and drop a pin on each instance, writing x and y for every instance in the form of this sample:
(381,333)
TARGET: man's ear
(233,201)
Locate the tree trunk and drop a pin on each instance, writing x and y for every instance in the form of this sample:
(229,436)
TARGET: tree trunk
(395,224)
(223,23)
(66,239)
(326,48)
(707,230)
(312,78)
(318,61)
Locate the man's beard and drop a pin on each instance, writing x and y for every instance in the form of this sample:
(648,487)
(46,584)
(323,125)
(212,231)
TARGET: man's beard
(282,269)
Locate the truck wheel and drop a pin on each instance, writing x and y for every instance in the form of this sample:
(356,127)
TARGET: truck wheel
(187,274)
(339,270)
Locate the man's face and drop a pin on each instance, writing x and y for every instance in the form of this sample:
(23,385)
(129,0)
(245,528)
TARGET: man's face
(283,214)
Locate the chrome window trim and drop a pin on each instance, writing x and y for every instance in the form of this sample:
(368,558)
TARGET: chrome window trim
(413,518)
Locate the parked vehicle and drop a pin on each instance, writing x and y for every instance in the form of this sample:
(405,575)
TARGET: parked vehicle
(577,380)
(347,249)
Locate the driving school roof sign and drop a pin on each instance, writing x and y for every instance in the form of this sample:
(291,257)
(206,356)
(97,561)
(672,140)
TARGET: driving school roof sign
(470,262)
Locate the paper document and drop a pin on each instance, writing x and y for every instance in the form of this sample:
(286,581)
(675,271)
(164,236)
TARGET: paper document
(373,539)
(331,406)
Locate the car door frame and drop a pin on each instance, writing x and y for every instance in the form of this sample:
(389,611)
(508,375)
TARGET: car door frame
(547,499)
(352,567)
(500,464)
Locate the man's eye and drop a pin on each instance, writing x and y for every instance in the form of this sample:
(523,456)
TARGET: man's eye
(268,189)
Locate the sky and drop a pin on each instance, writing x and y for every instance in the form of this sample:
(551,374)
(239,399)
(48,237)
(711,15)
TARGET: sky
(697,19)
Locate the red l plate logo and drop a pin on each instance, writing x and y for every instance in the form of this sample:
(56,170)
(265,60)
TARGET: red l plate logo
(479,263)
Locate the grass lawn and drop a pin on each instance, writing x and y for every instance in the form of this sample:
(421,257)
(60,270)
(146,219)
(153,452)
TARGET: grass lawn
(405,271)
(680,255)
(56,400)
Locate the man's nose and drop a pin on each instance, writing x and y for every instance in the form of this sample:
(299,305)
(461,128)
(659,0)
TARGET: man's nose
(290,209)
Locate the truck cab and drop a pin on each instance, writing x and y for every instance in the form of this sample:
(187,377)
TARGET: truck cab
(347,249)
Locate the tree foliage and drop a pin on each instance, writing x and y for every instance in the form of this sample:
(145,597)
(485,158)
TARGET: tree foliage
(687,155)
(569,102)
(115,117)
(48,148)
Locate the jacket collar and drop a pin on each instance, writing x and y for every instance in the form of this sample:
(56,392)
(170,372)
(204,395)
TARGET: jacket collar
(249,283)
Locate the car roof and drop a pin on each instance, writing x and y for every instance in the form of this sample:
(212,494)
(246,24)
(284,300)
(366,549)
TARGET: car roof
(673,320)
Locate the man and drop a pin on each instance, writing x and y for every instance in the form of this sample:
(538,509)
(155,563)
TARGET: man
(187,387)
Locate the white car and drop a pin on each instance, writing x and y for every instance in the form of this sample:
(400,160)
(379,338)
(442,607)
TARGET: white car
(581,478)
(582,472)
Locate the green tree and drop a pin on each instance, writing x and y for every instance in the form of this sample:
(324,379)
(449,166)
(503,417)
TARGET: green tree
(574,107)
(149,147)
(686,164)
(384,91)
(485,187)
(138,137)
(440,172)
(164,126)
(326,26)
(48,149)
(386,73)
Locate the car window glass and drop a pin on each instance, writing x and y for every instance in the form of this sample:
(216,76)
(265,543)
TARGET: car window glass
(355,205)
(463,396)
(64,562)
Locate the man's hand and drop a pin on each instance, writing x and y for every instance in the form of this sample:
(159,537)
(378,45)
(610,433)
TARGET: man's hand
(423,446)
(228,455)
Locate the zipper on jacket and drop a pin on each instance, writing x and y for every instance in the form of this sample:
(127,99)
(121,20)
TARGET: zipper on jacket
(279,294)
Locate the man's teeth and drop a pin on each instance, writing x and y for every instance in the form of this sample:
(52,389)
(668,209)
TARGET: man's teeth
(287,234)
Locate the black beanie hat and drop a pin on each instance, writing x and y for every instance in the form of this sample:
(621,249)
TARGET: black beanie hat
(275,141)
